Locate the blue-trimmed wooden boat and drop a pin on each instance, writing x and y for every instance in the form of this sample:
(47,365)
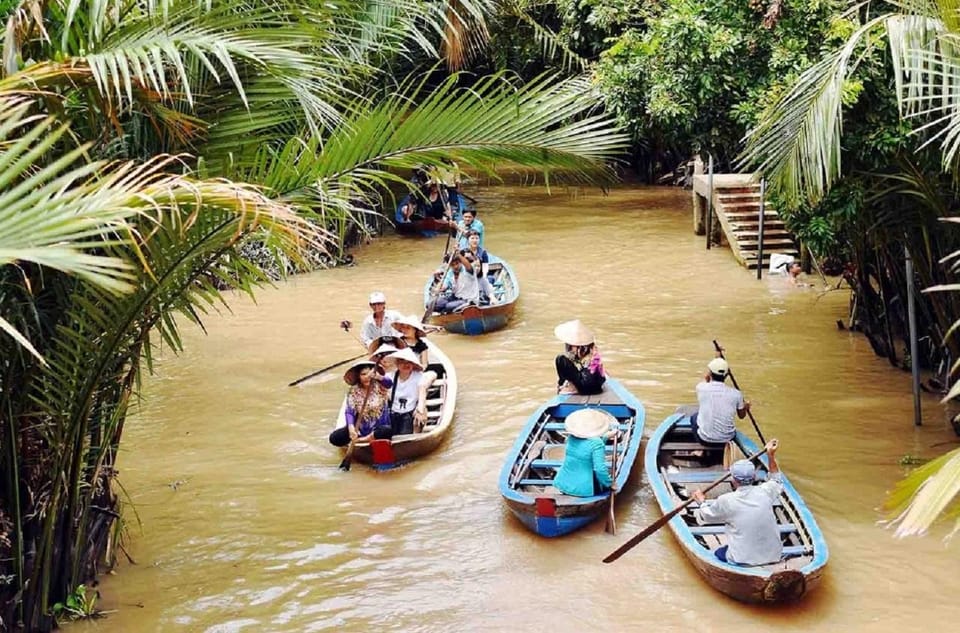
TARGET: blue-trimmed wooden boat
(536,456)
(676,463)
(485,318)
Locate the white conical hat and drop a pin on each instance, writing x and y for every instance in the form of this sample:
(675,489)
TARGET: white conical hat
(413,322)
(574,333)
(406,354)
(382,351)
(586,423)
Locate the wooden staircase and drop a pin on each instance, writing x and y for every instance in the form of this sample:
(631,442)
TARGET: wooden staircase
(737,207)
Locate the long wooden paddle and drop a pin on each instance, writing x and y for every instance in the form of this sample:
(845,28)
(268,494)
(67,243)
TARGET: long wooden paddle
(737,387)
(345,326)
(320,371)
(611,526)
(659,523)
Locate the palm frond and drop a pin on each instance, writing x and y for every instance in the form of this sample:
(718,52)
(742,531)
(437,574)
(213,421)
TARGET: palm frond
(797,141)
(919,499)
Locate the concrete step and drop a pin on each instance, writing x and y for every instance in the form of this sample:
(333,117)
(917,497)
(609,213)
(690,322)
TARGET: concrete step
(768,231)
(752,245)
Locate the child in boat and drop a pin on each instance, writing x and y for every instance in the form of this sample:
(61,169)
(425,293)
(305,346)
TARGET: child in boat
(367,412)
(579,368)
(584,472)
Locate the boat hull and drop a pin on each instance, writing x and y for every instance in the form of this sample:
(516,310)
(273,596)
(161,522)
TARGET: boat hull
(402,449)
(476,320)
(535,457)
(670,447)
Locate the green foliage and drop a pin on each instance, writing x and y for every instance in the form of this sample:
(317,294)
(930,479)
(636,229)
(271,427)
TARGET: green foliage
(78,605)
(694,74)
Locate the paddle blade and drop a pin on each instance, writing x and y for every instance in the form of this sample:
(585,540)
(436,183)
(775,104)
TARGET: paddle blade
(345,464)
(633,542)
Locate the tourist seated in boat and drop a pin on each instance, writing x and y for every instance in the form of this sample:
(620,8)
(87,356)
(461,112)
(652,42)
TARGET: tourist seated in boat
(747,513)
(458,289)
(367,410)
(474,249)
(412,333)
(579,368)
(713,424)
(378,323)
(470,222)
(408,210)
(584,472)
(436,205)
(408,396)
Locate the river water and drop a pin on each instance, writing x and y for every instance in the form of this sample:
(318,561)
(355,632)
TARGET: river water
(244,523)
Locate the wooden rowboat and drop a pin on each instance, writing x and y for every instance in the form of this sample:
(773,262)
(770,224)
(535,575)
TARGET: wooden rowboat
(485,318)
(425,227)
(676,463)
(401,449)
(536,456)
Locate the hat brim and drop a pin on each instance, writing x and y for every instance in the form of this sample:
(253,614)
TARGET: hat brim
(574,333)
(408,355)
(588,423)
(352,375)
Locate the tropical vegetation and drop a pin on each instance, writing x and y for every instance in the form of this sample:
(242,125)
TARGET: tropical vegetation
(144,146)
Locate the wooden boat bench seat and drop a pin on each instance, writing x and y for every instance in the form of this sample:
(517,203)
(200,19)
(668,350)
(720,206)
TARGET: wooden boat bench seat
(702,530)
(688,446)
(703,476)
(696,506)
(558,426)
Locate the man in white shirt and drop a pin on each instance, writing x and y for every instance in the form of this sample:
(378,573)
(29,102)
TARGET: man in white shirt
(460,288)
(747,512)
(379,323)
(713,424)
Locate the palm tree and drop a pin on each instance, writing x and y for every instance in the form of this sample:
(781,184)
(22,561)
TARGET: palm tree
(798,144)
(127,132)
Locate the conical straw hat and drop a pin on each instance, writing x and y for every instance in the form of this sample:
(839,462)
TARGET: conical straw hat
(586,423)
(352,375)
(406,354)
(574,333)
(382,351)
(413,322)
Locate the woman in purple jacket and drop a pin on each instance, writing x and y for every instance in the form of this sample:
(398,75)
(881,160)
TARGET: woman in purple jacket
(367,410)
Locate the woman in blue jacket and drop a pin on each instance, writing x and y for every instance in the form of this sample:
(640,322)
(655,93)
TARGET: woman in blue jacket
(585,472)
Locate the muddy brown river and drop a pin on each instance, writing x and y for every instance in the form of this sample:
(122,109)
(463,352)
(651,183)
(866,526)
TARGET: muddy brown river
(244,523)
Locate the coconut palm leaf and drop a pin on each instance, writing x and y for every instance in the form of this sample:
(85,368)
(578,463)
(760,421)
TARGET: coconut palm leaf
(547,124)
(797,141)
(920,499)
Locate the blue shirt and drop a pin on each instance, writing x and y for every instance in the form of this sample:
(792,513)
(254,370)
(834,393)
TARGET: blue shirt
(584,459)
(477,226)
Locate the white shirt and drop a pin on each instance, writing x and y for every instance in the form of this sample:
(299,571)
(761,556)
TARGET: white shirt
(718,406)
(465,285)
(369,331)
(754,536)
(405,397)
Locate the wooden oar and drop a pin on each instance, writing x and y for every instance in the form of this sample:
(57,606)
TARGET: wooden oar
(320,371)
(737,387)
(659,523)
(345,326)
(611,526)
